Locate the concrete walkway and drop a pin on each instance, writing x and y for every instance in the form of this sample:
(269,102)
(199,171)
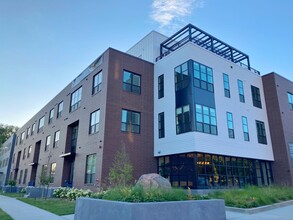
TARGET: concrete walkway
(21,211)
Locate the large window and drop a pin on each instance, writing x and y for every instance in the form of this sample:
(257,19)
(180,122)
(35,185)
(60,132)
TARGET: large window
(75,99)
(256,96)
(226,85)
(52,172)
(206,119)
(245,128)
(29,152)
(60,109)
(261,132)
(20,177)
(97,83)
(33,128)
(290,99)
(130,121)
(28,132)
(230,125)
(161,125)
(48,141)
(181,76)
(291,152)
(183,121)
(56,139)
(241,91)
(24,176)
(22,137)
(90,168)
(203,77)
(161,86)
(24,154)
(94,122)
(51,116)
(41,124)
(131,82)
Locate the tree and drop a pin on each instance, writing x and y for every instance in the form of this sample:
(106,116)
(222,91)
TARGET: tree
(45,178)
(6,131)
(120,173)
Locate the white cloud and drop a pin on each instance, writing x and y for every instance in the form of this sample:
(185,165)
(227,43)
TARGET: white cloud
(168,12)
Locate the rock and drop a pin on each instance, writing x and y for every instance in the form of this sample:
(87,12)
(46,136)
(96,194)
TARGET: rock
(153,181)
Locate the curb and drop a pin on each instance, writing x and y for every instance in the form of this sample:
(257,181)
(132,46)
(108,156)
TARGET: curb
(260,209)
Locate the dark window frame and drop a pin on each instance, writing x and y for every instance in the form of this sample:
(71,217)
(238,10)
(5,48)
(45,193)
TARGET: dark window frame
(75,100)
(230,122)
(129,86)
(261,132)
(60,109)
(203,120)
(203,76)
(51,115)
(56,142)
(245,128)
(90,171)
(161,86)
(256,99)
(183,119)
(97,82)
(94,128)
(290,100)
(129,126)
(241,91)
(161,124)
(226,83)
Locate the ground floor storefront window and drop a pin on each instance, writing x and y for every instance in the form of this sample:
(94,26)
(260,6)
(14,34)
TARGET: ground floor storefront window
(208,171)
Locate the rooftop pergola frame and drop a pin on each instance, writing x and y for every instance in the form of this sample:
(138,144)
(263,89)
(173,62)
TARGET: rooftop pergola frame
(190,33)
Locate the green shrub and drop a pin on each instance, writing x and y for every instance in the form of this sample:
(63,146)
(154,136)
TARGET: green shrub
(253,196)
(71,193)
(137,194)
(23,190)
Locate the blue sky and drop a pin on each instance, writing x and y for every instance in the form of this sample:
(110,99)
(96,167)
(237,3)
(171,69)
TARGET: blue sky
(45,44)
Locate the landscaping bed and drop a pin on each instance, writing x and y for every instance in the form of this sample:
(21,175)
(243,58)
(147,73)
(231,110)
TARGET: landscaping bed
(4,215)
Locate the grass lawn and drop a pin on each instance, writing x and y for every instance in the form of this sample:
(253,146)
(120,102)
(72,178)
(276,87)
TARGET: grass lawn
(4,216)
(254,196)
(56,206)
(13,195)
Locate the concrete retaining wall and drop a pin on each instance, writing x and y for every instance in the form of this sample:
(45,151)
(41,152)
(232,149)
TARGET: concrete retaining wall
(34,192)
(94,209)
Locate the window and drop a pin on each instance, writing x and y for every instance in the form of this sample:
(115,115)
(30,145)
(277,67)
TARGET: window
(41,124)
(290,99)
(256,97)
(33,128)
(245,128)
(203,77)
(291,152)
(22,137)
(90,168)
(75,99)
(131,82)
(48,141)
(230,125)
(44,170)
(161,86)
(206,119)
(97,83)
(261,132)
(226,85)
(183,122)
(51,116)
(24,176)
(241,91)
(16,140)
(28,132)
(181,76)
(60,109)
(52,172)
(24,154)
(56,139)
(161,125)
(94,123)
(20,177)
(130,121)
(29,151)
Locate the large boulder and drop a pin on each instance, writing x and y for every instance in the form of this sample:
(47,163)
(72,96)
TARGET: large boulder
(153,181)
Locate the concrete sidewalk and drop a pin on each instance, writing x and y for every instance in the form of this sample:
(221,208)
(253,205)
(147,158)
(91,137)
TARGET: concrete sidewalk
(21,211)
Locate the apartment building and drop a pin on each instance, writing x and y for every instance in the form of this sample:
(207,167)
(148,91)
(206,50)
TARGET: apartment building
(279,101)
(74,138)
(211,126)
(6,152)
(189,107)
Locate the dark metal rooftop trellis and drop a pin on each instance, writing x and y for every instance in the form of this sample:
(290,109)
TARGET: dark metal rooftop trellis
(190,33)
